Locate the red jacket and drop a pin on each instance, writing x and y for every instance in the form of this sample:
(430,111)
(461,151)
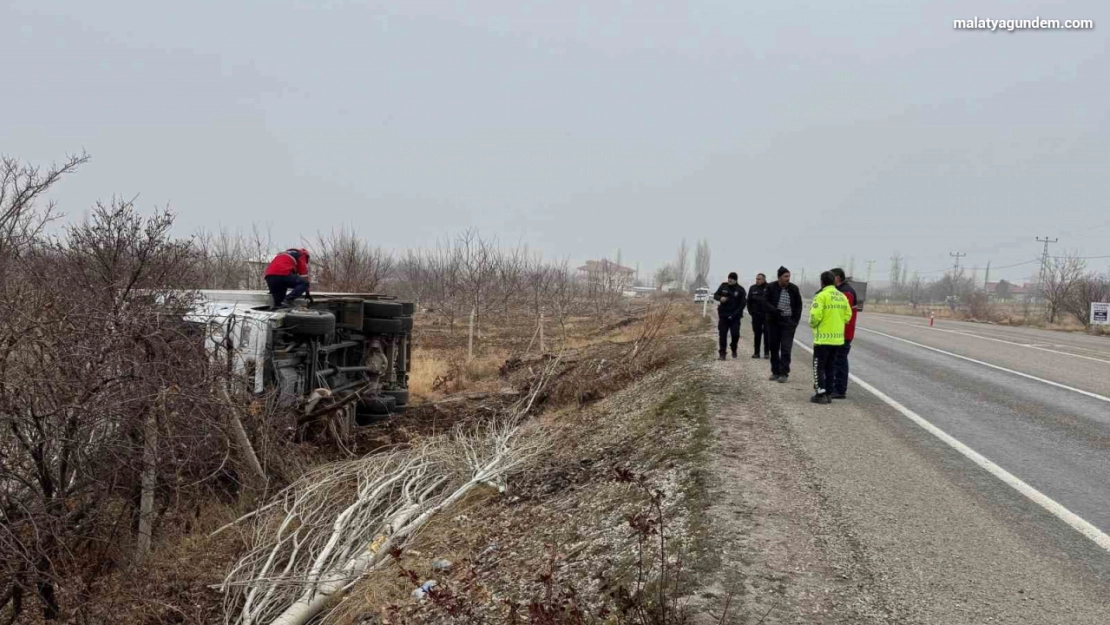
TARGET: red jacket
(850,329)
(288,263)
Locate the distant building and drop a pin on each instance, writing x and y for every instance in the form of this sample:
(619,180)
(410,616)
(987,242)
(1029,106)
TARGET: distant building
(605,269)
(1008,291)
(605,276)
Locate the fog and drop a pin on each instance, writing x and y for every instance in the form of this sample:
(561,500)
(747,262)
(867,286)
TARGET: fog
(800,134)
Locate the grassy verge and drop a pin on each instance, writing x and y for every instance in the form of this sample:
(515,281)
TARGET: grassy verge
(608,526)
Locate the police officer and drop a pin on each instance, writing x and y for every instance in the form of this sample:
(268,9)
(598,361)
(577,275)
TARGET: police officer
(828,316)
(757,295)
(731,309)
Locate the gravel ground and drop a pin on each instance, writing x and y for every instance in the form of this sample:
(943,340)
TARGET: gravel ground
(847,514)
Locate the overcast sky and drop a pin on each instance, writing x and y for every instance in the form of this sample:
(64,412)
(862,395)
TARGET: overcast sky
(796,133)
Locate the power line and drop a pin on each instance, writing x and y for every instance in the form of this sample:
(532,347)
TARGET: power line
(993,268)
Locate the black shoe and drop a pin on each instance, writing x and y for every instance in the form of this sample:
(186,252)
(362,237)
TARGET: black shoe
(774,377)
(838,396)
(755,355)
(734,352)
(721,355)
(783,378)
(820,398)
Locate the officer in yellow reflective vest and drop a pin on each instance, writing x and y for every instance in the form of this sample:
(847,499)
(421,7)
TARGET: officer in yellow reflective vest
(828,316)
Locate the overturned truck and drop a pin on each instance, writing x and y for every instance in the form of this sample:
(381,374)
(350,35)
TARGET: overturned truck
(339,346)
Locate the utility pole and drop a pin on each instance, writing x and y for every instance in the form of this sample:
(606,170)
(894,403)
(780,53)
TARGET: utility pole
(956,272)
(957,256)
(987,278)
(897,270)
(869,263)
(1044,263)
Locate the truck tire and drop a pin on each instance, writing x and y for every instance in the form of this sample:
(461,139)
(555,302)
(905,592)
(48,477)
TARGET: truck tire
(406,324)
(374,409)
(408,308)
(400,397)
(309,322)
(373,325)
(381,310)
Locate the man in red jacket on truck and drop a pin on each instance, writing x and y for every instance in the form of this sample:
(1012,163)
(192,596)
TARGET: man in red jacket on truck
(287,276)
(840,377)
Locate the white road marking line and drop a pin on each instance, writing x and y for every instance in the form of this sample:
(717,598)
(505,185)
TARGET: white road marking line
(1076,522)
(993,366)
(990,338)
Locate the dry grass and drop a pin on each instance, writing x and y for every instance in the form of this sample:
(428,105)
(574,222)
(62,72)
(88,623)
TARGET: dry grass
(436,373)
(173,585)
(440,365)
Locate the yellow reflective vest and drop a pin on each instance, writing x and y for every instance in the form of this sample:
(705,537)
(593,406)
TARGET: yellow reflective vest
(828,316)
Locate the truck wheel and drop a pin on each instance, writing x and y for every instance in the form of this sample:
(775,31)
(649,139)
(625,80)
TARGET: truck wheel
(381,310)
(372,325)
(400,397)
(408,308)
(374,409)
(406,324)
(309,322)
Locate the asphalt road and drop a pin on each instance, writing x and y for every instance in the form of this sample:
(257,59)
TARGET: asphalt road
(1054,437)
(1033,403)
(968,483)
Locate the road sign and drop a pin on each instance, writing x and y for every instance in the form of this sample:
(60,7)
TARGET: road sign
(1100,313)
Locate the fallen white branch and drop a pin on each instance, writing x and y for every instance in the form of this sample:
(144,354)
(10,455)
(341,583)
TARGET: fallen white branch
(336,524)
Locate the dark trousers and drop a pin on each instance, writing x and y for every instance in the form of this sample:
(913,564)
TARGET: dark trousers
(840,380)
(294,285)
(761,335)
(824,367)
(781,340)
(725,325)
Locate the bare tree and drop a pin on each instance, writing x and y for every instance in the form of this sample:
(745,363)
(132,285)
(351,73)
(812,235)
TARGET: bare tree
(664,275)
(1061,277)
(102,368)
(108,405)
(223,259)
(915,289)
(1090,288)
(681,265)
(701,261)
(344,261)
(21,187)
(259,248)
(479,260)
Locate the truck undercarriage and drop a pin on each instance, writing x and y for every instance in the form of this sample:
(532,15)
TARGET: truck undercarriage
(340,344)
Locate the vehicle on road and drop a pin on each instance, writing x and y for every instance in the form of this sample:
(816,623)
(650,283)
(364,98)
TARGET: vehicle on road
(701,294)
(339,344)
